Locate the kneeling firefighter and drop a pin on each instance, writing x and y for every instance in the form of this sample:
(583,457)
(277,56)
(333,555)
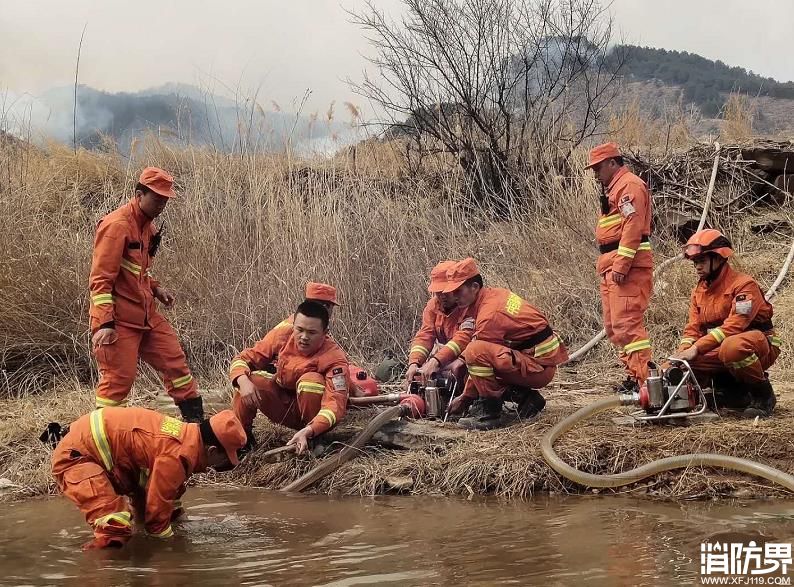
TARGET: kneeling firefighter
(729,336)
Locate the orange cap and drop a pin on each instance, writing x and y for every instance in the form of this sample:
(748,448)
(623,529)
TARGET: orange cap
(438,276)
(460,273)
(321,292)
(159,181)
(229,432)
(708,241)
(602,153)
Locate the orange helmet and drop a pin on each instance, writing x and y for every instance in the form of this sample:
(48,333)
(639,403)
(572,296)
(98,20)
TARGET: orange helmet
(708,241)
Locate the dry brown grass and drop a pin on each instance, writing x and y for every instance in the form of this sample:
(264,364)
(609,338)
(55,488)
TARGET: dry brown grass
(738,114)
(245,235)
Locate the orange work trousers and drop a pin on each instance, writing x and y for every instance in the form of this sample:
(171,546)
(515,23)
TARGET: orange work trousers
(283,406)
(623,308)
(745,356)
(86,484)
(493,367)
(159,347)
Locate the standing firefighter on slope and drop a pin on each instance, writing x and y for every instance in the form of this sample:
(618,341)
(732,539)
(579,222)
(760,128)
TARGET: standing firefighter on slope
(625,264)
(125,323)
(729,335)
(116,462)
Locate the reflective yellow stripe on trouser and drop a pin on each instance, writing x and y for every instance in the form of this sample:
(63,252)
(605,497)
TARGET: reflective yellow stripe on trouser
(182,381)
(167,533)
(101,438)
(746,362)
(479,371)
(122,518)
(637,345)
(103,402)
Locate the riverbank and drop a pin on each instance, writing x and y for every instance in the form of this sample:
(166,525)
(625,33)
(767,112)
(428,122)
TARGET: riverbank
(446,461)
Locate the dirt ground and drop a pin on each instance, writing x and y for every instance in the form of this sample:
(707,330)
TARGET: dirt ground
(429,458)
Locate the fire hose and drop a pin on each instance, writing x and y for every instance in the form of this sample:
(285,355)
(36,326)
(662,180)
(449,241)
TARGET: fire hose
(649,469)
(410,405)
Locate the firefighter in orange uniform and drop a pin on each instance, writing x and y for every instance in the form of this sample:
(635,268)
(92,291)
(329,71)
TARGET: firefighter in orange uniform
(512,347)
(729,336)
(442,337)
(298,378)
(114,454)
(625,263)
(125,323)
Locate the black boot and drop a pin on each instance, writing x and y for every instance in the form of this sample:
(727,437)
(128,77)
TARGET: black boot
(192,410)
(484,414)
(531,404)
(762,400)
(628,386)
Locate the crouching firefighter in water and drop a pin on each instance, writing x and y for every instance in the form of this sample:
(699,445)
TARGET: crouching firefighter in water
(513,351)
(120,463)
(729,337)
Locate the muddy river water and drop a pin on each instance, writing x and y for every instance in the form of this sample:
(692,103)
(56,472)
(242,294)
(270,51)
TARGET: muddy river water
(250,537)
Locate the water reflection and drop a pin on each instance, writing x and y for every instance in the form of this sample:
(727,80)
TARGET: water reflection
(249,537)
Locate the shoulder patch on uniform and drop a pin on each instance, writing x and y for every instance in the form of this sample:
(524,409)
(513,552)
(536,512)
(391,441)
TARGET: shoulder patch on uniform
(467,324)
(337,371)
(171,426)
(340,382)
(513,304)
(744,307)
(625,205)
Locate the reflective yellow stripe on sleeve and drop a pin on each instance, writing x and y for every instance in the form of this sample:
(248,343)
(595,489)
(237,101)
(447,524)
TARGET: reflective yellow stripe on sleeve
(101,439)
(626,252)
(419,349)
(311,387)
(547,347)
(607,221)
(130,266)
(102,299)
(687,340)
(103,402)
(718,334)
(328,415)
(453,346)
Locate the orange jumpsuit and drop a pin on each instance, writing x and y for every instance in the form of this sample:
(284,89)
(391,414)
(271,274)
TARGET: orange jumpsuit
(113,454)
(730,322)
(293,389)
(122,298)
(448,330)
(622,234)
(512,344)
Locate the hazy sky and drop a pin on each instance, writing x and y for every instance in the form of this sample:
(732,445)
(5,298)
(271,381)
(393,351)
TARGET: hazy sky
(289,46)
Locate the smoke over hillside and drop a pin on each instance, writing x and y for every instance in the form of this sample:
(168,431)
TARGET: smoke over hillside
(178,113)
